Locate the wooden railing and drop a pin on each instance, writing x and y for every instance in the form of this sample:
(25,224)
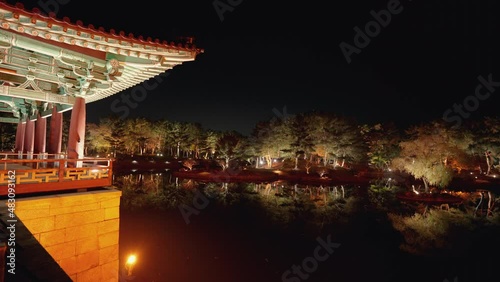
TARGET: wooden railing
(48,173)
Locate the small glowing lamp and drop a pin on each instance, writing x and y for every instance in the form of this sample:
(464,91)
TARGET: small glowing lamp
(131,260)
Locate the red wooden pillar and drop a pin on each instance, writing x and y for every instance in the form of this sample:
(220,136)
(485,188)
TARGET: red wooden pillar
(40,134)
(29,138)
(55,138)
(76,136)
(20,136)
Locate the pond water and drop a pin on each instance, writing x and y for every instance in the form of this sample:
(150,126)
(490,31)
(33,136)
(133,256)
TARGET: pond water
(184,230)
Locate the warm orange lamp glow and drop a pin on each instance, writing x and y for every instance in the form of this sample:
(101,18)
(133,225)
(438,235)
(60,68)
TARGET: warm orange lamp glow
(131,260)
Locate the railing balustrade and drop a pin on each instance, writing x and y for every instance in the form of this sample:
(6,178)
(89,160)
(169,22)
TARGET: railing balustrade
(52,172)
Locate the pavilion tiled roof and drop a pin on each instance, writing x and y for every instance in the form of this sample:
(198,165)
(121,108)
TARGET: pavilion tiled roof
(64,30)
(72,59)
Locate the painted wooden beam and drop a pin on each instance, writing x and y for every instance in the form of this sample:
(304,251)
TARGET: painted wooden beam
(36,95)
(8,120)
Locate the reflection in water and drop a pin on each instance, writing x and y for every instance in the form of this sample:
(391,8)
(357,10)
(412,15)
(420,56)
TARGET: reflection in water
(155,183)
(368,221)
(280,202)
(143,181)
(314,193)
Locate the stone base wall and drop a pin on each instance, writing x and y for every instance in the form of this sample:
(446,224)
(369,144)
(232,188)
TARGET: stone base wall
(79,230)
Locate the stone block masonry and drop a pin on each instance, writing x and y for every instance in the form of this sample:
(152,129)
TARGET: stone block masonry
(79,230)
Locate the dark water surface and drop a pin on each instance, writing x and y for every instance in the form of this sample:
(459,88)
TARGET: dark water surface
(233,238)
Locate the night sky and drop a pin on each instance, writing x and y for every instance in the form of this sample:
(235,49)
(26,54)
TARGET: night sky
(265,55)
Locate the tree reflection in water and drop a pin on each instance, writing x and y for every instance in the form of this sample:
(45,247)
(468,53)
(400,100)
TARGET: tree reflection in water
(283,204)
(278,215)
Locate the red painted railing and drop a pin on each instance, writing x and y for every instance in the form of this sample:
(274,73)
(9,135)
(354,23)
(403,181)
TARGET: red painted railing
(48,173)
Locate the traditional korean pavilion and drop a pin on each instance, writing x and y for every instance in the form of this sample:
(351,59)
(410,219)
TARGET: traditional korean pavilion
(49,65)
